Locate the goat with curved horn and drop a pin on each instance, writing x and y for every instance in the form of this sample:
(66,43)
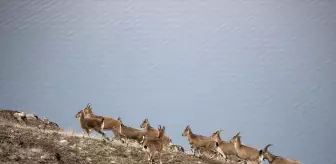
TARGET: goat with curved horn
(199,142)
(109,123)
(273,159)
(246,152)
(151,132)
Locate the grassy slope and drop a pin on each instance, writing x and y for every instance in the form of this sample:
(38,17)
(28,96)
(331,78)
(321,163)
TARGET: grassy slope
(22,143)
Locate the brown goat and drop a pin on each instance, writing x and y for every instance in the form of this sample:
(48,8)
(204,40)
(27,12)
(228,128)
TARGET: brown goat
(154,144)
(246,152)
(272,159)
(87,124)
(226,149)
(199,142)
(131,133)
(109,123)
(152,132)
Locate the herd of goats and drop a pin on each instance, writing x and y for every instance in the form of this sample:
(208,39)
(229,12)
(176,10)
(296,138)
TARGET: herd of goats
(154,141)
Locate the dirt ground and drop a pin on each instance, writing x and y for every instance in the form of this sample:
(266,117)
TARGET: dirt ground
(26,141)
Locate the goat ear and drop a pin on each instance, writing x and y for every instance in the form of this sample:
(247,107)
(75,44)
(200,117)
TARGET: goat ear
(238,134)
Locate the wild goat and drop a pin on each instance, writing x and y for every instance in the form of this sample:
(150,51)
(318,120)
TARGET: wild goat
(109,123)
(272,159)
(199,142)
(246,152)
(152,145)
(152,132)
(87,124)
(131,133)
(223,147)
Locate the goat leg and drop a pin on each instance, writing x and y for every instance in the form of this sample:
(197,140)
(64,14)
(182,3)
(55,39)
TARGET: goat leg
(103,134)
(160,158)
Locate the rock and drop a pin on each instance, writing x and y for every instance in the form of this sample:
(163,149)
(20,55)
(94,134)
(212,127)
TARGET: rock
(88,159)
(73,146)
(20,116)
(189,153)
(113,162)
(36,150)
(22,156)
(31,117)
(53,124)
(176,148)
(45,156)
(45,120)
(42,126)
(13,157)
(63,142)
(113,149)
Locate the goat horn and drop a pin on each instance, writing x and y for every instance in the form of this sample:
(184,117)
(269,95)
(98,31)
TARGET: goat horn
(266,147)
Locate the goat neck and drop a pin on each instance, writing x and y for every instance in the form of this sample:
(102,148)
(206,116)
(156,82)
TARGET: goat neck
(270,157)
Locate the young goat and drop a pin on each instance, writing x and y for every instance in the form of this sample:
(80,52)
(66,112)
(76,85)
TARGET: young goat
(272,159)
(246,152)
(224,148)
(151,132)
(199,142)
(131,133)
(153,145)
(109,123)
(87,124)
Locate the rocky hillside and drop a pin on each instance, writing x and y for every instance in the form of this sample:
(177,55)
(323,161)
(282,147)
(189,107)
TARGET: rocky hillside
(26,138)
